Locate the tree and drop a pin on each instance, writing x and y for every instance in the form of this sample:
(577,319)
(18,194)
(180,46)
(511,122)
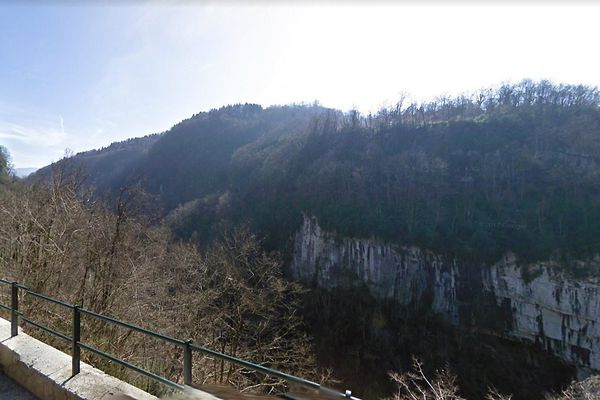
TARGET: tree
(241,304)
(415,385)
(5,164)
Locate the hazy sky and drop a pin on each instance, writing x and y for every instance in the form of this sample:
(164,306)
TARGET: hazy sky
(80,77)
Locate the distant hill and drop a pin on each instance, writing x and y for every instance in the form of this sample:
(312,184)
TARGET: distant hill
(197,149)
(24,172)
(109,167)
(514,168)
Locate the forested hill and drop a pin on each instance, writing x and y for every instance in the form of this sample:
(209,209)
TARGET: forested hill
(191,160)
(513,168)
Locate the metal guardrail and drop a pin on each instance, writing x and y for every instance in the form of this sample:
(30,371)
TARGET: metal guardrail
(188,346)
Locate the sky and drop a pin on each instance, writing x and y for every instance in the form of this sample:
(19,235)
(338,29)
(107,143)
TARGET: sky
(79,77)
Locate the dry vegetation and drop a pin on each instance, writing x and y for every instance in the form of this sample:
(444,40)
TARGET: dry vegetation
(415,385)
(588,389)
(232,297)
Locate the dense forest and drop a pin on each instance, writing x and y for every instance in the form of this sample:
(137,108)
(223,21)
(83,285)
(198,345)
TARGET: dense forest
(513,168)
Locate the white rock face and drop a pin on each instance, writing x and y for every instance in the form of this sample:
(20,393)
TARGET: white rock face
(558,312)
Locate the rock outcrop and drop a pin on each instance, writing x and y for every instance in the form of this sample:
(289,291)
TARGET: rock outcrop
(536,302)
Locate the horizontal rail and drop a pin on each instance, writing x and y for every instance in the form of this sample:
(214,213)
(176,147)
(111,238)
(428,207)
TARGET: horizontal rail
(15,314)
(142,371)
(269,371)
(47,329)
(134,327)
(3,307)
(255,367)
(44,297)
(332,392)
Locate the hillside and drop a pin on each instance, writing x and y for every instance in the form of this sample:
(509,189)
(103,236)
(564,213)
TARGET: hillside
(514,168)
(465,181)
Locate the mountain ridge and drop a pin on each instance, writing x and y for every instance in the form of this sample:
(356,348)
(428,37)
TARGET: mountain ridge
(510,169)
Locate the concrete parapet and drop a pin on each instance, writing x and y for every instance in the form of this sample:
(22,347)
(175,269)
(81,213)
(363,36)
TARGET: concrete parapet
(46,372)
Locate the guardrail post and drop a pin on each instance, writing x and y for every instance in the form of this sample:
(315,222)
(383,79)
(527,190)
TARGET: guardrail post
(14,309)
(76,350)
(187,363)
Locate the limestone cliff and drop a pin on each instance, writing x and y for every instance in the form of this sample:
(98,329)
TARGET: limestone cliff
(537,302)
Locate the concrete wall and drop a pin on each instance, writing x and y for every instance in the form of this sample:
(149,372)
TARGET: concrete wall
(46,372)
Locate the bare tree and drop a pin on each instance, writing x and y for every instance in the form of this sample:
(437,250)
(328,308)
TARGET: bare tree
(233,297)
(415,385)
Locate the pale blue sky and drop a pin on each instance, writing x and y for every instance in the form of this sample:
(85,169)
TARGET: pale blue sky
(81,77)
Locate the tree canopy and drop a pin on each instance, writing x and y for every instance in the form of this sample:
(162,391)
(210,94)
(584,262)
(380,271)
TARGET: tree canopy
(513,168)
